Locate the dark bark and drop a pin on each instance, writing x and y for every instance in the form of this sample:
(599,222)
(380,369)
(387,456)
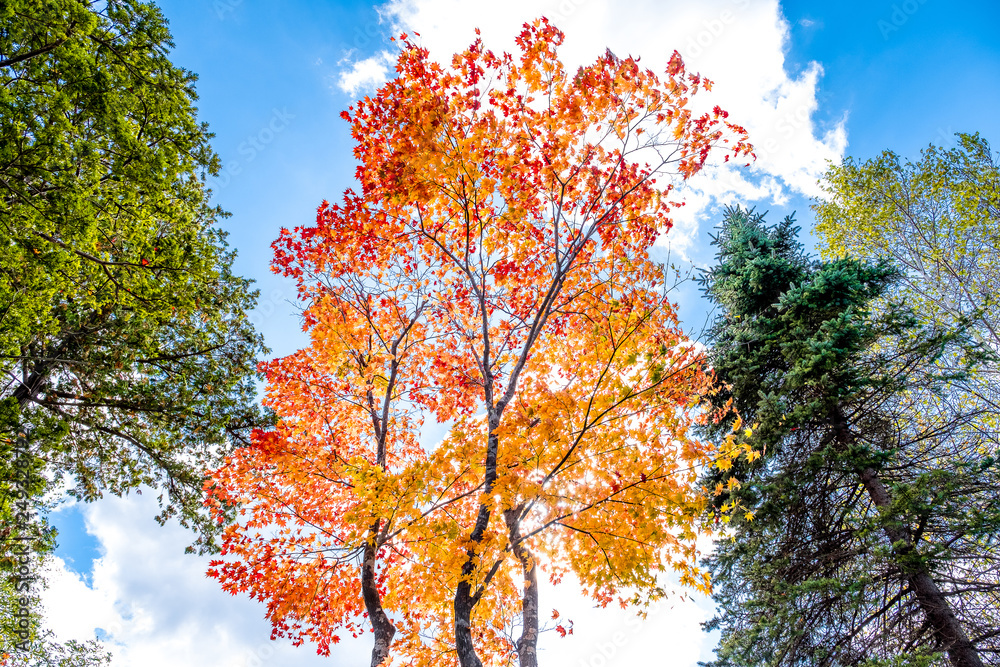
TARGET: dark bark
(932,601)
(465,598)
(463,626)
(37,52)
(68,348)
(527,645)
(940,616)
(381,625)
(29,389)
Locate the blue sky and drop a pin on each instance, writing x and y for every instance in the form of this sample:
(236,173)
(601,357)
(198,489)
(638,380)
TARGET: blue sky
(820,80)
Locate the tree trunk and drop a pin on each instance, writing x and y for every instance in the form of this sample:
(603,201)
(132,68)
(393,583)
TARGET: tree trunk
(465,599)
(41,369)
(28,389)
(940,616)
(381,625)
(464,603)
(527,645)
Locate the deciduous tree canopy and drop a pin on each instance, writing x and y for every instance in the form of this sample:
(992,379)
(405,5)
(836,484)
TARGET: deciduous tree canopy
(126,353)
(492,274)
(938,220)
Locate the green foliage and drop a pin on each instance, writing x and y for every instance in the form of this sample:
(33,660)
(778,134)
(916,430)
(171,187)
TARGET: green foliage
(45,651)
(939,220)
(863,492)
(127,354)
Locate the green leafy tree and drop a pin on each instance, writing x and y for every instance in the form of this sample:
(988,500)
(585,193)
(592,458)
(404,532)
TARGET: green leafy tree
(866,534)
(46,651)
(126,353)
(938,219)
(26,540)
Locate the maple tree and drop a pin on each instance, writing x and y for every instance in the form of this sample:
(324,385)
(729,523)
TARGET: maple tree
(492,274)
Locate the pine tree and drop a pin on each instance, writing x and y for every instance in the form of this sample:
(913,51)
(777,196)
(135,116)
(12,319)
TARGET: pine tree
(866,534)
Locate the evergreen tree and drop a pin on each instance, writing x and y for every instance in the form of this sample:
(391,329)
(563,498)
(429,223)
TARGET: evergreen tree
(866,533)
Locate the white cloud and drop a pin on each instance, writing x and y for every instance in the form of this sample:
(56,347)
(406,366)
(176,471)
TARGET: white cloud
(670,634)
(365,75)
(156,607)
